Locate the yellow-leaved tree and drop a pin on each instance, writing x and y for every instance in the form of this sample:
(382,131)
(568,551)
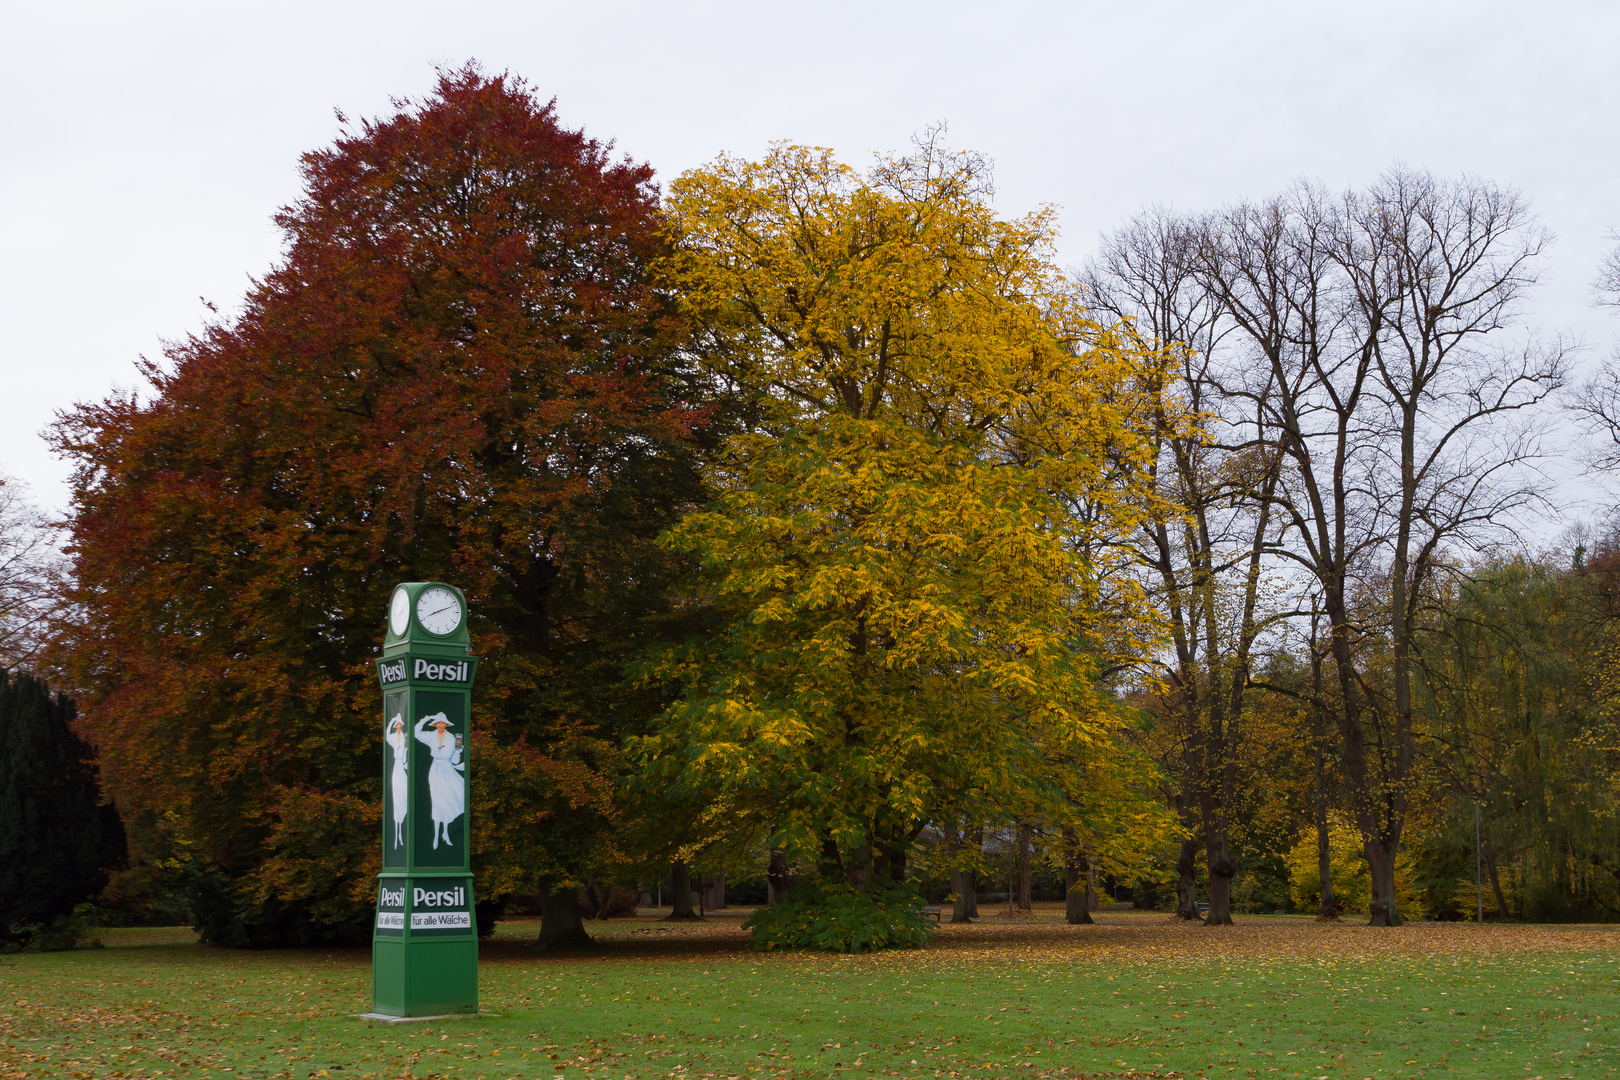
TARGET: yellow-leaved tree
(910,547)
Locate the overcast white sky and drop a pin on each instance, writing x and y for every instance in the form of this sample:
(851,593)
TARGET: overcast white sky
(143,147)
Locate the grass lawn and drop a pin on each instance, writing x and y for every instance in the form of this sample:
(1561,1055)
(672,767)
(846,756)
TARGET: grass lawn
(1135,996)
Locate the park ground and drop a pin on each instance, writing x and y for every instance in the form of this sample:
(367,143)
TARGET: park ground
(1135,996)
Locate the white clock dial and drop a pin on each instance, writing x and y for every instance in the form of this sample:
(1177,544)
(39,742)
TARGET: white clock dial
(438,610)
(399,612)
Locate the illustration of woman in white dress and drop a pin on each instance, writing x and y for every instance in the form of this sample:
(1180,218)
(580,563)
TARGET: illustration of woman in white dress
(401,747)
(445,783)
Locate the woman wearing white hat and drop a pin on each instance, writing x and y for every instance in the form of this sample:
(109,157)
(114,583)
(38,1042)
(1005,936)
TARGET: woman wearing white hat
(445,785)
(397,741)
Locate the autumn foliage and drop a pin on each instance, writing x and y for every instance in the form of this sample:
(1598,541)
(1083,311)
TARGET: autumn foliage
(459,370)
(909,542)
(788,512)
(816,523)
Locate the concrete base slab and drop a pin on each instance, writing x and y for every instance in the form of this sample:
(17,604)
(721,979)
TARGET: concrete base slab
(380,1018)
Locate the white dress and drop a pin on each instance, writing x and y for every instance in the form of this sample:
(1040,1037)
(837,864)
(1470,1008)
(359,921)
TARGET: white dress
(396,740)
(445,782)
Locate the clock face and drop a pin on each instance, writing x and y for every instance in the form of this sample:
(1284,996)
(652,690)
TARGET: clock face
(438,610)
(399,612)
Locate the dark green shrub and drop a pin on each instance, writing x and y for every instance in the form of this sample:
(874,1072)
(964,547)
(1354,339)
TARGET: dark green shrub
(747,892)
(73,931)
(838,918)
(153,889)
(59,838)
(1261,887)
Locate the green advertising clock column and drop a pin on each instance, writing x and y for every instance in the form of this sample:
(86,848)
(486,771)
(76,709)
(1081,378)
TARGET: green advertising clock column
(425,942)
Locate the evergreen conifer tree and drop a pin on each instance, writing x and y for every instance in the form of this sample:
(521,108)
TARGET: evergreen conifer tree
(56,838)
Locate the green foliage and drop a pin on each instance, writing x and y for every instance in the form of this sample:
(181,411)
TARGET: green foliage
(75,930)
(57,839)
(1517,695)
(1443,870)
(322,860)
(1352,882)
(1262,885)
(153,889)
(839,918)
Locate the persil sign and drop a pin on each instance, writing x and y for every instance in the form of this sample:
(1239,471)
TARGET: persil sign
(456,897)
(390,899)
(440,920)
(454,671)
(423,669)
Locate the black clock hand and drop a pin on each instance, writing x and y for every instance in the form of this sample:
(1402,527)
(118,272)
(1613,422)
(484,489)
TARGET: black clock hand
(435,611)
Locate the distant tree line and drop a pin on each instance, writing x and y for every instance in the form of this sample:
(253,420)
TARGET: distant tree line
(1352,637)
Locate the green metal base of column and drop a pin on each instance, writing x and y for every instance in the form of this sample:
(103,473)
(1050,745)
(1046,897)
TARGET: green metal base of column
(380,1018)
(424,977)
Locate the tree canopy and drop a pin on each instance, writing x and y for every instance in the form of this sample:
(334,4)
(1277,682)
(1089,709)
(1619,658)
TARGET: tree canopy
(460,369)
(812,518)
(917,615)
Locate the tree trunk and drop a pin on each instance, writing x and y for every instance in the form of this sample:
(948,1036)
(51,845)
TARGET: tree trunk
(1324,866)
(860,873)
(1379,824)
(1496,882)
(1075,910)
(971,878)
(892,860)
(1324,849)
(776,876)
(714,892)
(1381,866)
(961,888)
(1220,894)
(959,878)
(561,928)
(880,867)
(680,904)
(1025,884)
(594,903)
(1218,856)
(1401,574)
(1187,881)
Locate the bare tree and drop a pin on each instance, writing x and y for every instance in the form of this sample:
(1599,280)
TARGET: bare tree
(1597,400)
(1607,286)
(30,575)
(1329,906)
(1371,325)
(1206,555)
